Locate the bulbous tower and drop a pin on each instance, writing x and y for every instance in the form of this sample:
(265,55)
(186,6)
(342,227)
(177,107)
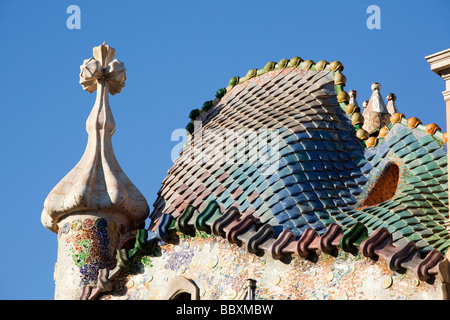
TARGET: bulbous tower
(95,207)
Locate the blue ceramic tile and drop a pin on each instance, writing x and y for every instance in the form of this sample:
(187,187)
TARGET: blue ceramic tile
(285,151)
(300,198)
(327,203)
(283,217)
(296,147)
(291,159)
(311,175)
(301,178)
(293,189)
(290,139)
(393,139)
(339,203)
(228,203)
(277,208)
(272,200)
(366,167)
(305,208)
(361,180)
(248,186)
(243,205)
(295,167)
(277,186)
(316,185)
(314,155)
(289,180)
(299,222)
(285,171)
(257,203)
(261,187)
(408,139)
(317,225)
(281,161)
(432,146)
(322,194)
(360,161)
(302,135)
(316,204)
(398,146)
(355,154)
(317,165)
(272,179)
(370,153)
(415,145)
(282,193)
(310,195)
(349,200)
(375,160)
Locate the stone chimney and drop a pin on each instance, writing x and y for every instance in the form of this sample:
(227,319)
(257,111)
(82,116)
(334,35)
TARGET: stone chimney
(440,64)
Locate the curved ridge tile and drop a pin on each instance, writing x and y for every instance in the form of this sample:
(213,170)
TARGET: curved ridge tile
(254,239)
(276,248)
(182,223)
(301,247)
(353,237)
(207,217)
(162,230)
(401,255)
(375,242)
(219,224)
(238,227)
(331,238)
(424,269)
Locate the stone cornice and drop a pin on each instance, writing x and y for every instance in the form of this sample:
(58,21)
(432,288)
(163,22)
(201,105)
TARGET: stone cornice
(440,63)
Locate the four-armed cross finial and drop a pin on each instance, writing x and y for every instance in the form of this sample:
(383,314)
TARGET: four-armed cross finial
(103,67)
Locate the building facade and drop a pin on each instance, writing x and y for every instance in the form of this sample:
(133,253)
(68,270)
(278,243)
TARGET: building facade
(286,189)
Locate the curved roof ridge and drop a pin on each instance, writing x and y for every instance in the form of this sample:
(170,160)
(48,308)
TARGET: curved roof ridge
(297,62)
(345,101)
(413,123)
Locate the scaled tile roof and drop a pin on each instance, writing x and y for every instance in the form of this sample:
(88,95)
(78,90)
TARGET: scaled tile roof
(332,175)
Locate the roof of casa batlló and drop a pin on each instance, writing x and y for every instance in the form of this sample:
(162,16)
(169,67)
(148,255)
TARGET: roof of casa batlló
(375,183)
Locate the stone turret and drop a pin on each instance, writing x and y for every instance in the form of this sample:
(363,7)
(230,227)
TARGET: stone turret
(391,106)
(375,112)
(95,207)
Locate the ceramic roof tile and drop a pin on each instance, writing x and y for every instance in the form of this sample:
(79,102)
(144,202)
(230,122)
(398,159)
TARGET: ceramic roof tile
(323,165)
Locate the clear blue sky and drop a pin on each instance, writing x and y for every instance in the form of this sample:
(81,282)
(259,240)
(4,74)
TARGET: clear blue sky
(177,54)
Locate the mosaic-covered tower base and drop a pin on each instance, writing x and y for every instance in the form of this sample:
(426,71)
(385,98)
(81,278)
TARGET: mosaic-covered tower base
(86,244)
(220,270)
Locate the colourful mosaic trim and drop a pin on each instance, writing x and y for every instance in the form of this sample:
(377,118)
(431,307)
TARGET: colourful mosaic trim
(89,245)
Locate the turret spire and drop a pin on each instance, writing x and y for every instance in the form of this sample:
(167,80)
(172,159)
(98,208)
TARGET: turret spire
(97,182)
(95,207)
